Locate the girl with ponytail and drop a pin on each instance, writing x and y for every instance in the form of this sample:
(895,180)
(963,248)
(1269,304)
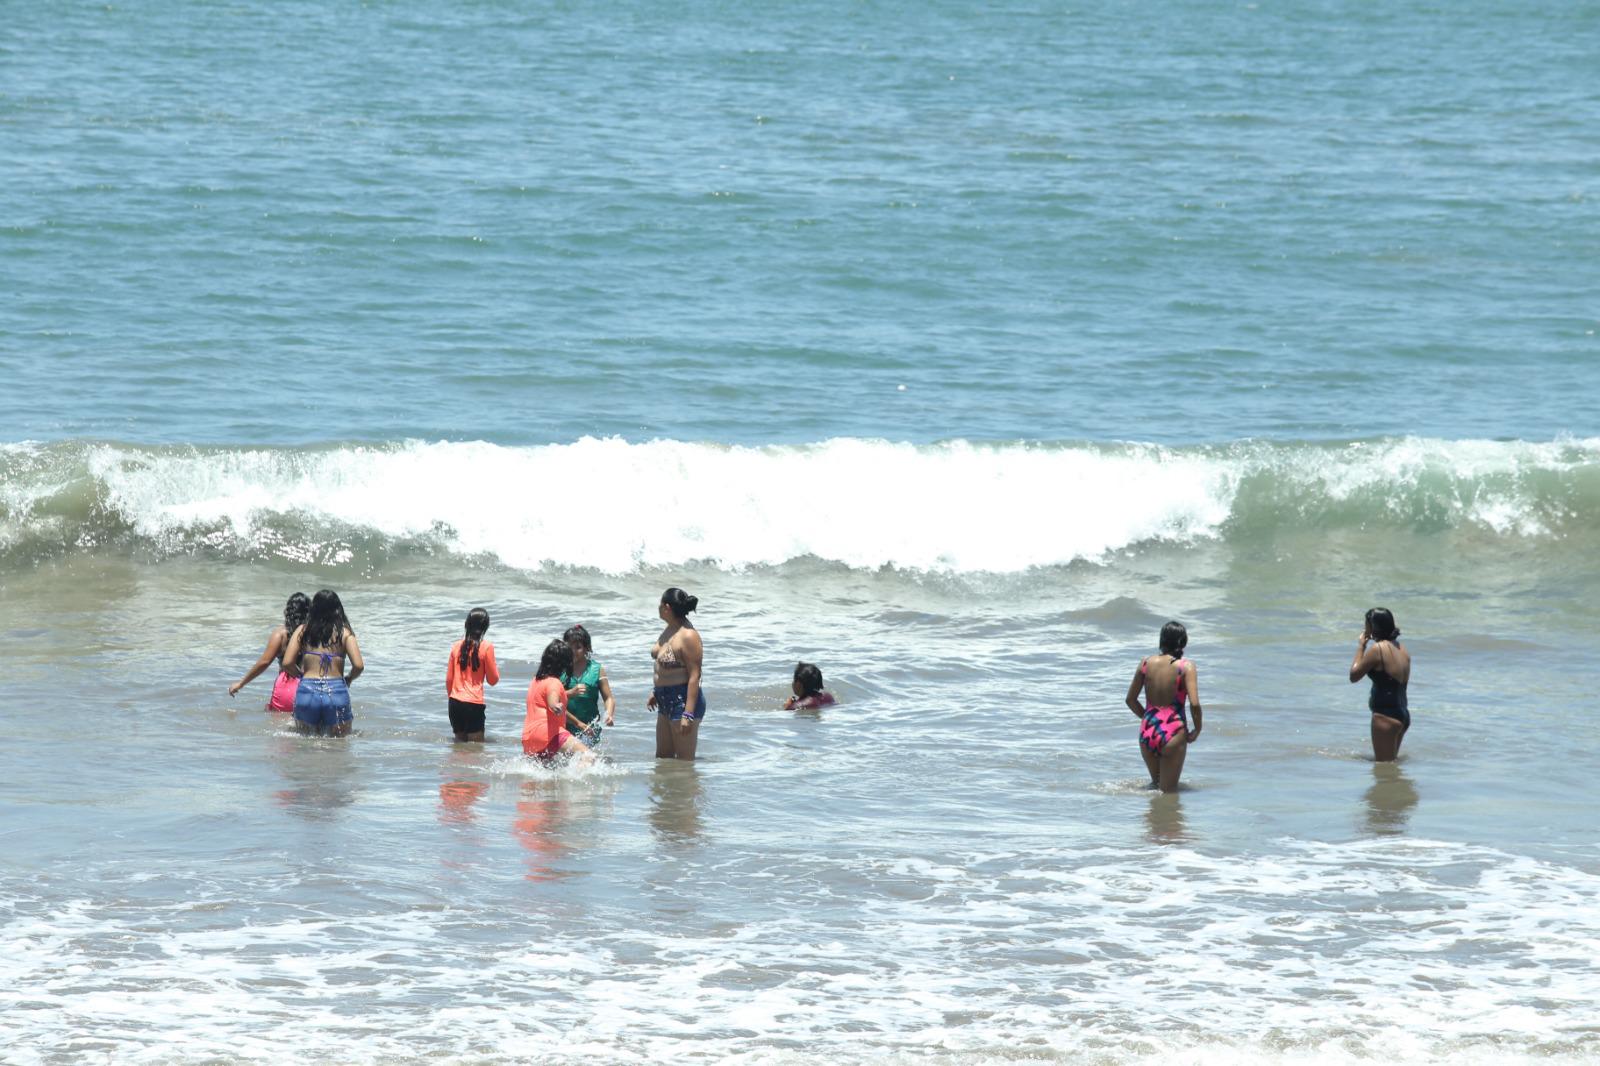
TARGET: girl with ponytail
(471,663)
(283,689)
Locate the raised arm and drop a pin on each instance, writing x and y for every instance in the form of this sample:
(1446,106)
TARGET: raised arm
(1366,658)
(274,648)
(1135,687)
(352,651)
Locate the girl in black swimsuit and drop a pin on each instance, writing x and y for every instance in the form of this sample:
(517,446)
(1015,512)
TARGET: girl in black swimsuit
(1380,657)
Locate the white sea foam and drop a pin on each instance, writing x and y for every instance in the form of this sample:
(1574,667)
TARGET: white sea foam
(617,506)
(1406,952)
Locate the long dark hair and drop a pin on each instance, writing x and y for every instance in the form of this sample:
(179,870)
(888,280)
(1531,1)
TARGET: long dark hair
(809,677)
(680,602)
(1381,624)
(325,623)
(556,660)
(477,626)
(294,616)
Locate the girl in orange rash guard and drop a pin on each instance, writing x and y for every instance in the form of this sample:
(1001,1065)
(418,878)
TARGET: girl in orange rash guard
(544,732)
(471,666)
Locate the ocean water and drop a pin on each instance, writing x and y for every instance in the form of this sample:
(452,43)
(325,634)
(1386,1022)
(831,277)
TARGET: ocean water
(954,348)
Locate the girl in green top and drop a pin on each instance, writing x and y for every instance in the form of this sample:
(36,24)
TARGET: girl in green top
(586,686)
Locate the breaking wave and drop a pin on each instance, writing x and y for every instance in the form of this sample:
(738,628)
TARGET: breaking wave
(616,506)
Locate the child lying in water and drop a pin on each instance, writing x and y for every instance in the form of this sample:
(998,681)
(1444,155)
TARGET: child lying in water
(808,691)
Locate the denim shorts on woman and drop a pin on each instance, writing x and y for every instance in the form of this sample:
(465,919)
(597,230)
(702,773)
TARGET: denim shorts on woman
(672,699)
(323,703)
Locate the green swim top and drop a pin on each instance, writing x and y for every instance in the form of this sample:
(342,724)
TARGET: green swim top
(585,708)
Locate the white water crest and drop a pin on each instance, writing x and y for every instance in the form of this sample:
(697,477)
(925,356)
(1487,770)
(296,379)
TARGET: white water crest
(616,506)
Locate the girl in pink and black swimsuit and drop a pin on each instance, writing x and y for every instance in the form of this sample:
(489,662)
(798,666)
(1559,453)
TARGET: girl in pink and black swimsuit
(1164,733)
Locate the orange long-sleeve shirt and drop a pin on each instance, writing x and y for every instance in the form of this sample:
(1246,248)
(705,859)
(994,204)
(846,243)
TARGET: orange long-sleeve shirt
(466,684)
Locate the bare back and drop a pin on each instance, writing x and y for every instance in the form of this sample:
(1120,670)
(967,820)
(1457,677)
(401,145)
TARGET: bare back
(1161,675)
(321,662)
(1393,661)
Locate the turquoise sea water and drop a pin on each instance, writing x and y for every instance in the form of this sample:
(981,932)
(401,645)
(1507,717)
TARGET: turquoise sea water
(954,348)
(303,222)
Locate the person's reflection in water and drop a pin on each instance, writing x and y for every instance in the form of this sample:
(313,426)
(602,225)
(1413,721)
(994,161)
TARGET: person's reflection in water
(675,801)
(319,774)
(456,799)
(540,825)
(461,787)
(1164,822)
(1389,800)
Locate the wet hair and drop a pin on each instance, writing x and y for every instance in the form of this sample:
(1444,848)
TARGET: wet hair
(1174,638)
(325,622)
(680,602)
(294,615)
(579,635)
(1380,623)
(556,660)
(809,677)
(477,626)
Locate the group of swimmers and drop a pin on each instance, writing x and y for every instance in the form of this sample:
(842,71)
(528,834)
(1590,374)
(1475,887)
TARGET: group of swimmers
(564,699)
(563,719)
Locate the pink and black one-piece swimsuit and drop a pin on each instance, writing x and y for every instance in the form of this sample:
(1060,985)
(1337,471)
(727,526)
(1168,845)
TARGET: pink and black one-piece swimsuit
(1161,724)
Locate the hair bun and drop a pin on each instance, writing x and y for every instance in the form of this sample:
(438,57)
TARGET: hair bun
(680,601)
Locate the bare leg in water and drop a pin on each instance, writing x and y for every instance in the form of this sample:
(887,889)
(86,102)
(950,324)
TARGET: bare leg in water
(1387,733)
(1166,768)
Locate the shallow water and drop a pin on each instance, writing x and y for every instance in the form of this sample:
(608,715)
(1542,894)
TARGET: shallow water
(959,859)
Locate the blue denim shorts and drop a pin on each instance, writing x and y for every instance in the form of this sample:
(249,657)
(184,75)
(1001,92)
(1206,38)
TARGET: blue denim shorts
(323,703)
(671,701)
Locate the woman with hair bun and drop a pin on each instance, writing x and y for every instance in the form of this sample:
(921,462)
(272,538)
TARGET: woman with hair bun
(283,689)
(677,698)
(1380,658)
